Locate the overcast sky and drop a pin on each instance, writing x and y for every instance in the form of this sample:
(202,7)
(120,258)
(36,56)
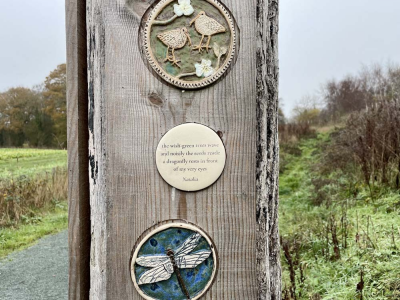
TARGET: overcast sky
(326,39)
(32,40)
(319,40)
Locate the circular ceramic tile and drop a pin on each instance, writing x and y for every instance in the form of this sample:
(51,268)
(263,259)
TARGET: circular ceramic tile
(174,261)
(190,43)
(190,157)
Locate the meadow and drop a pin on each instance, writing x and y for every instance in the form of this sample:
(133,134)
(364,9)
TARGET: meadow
(28,162)
(33,196)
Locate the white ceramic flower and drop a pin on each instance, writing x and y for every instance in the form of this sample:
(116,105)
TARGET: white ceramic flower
(204,69)
(183,8)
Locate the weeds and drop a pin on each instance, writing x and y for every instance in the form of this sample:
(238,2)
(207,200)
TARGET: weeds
(33,193)
(292,252)
(22,197)
(370,144)
(333,230)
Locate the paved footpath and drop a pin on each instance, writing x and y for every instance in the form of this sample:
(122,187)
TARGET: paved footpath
(37,273)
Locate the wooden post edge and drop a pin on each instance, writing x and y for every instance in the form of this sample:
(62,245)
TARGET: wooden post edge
(77,113)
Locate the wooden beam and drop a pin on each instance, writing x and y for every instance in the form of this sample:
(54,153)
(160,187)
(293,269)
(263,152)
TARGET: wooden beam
(125,123)
(78,194)
(267,240)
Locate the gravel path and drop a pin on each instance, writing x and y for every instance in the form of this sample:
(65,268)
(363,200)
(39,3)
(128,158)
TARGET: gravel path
(37,273)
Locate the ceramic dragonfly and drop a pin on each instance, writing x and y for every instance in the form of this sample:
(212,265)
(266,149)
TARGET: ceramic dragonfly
(163,266)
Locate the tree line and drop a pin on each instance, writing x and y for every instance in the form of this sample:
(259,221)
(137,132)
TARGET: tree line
(35,117)
(337,99)
(365,109)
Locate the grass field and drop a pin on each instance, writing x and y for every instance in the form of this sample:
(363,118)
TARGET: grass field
(25,235)
(17,162)
(333,247)
(33,196)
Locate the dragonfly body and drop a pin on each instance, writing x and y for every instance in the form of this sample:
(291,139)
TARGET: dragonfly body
(164,265)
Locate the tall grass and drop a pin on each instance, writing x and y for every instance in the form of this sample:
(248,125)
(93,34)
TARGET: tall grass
(23,196)
(32,181)
(337,241)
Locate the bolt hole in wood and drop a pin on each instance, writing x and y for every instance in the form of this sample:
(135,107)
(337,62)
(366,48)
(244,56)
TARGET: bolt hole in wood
(176,261)
(156,99)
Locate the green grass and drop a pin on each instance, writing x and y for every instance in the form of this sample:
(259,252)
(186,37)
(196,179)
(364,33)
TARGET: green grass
(304,222)
(28,162)
(32,203)
(14,239)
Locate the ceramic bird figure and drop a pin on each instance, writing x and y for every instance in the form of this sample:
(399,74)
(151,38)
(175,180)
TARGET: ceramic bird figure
(174,39)
(206,26)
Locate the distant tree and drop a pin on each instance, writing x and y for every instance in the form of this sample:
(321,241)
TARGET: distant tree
(18,112)
(344,96)
(299,126)
(54,93)
(308,116)
(371,86)
(36,117)
(39,131)
(281,114)
(394,82)
(307,111)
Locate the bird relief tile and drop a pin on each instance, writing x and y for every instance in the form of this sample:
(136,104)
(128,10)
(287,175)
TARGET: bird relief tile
(190,43)
(174,261)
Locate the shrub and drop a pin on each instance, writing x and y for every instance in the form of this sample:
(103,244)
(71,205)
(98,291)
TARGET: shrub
(292,132)
(371,142)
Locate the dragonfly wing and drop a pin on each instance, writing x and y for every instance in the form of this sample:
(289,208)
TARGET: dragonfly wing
(192,260)
(157,274)
(188,245)
(152,261)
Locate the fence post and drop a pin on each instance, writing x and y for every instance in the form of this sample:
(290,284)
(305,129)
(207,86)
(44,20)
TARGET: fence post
(131,103)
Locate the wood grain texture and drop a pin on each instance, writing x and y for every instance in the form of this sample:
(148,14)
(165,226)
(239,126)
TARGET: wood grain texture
(78,191)
(268,244)
(125,123)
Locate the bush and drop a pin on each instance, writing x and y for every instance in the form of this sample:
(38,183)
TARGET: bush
(292,132)
(370,142)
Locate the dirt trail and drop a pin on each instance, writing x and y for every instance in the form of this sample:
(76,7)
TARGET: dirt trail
(37,273)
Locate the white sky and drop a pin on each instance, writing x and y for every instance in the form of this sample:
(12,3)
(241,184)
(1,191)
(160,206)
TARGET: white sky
(326,39)
(319,40)
(32,40)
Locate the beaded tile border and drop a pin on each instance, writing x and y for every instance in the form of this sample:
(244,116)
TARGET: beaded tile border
(178,82)
(173,223)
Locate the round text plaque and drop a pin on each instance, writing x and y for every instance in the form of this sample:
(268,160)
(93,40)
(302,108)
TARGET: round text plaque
(190,157)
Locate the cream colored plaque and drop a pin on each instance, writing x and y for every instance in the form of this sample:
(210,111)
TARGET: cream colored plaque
(191,157)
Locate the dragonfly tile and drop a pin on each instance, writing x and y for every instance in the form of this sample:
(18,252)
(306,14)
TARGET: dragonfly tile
(175,263)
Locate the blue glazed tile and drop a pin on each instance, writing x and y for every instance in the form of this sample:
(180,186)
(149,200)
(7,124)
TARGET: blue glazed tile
(195,279)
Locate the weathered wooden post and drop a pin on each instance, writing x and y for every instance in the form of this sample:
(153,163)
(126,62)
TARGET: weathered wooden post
(173,149)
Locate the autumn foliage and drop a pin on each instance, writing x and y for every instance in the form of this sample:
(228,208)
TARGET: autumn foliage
(35,117)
